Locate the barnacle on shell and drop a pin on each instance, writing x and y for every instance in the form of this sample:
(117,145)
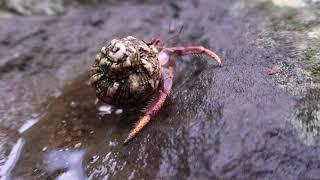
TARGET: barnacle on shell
(125,72)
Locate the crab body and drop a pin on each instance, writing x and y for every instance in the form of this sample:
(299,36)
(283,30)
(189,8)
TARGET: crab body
(127,72)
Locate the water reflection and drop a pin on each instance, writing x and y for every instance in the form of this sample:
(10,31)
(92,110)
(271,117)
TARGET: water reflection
(29,123)
(8,167)
(106,166)
(77,139)
(13,157)
(66,164)
(104,109)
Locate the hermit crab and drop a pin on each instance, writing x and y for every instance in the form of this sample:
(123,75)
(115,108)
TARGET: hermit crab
(129,71)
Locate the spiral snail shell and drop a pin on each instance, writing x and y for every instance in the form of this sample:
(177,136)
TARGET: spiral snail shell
(125,72)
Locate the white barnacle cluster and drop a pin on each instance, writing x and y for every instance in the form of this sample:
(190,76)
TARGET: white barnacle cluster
(126,71)
(95,77)
(148,66)
(119,56)
(112,89)
(117,50)
(134,84)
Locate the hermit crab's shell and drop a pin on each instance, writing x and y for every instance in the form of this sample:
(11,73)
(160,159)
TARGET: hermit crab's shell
(126,72)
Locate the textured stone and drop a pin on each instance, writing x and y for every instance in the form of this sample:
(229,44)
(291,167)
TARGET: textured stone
(229,122)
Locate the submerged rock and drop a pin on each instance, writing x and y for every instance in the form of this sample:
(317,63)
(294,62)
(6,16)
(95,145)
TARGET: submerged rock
(238,121)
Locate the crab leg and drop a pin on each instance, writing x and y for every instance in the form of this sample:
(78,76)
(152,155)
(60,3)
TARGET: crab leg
(154,42)
(168,68)
(191,50)
(156,104)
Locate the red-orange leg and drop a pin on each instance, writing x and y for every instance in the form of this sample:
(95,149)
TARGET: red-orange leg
(168,67)
(156,104)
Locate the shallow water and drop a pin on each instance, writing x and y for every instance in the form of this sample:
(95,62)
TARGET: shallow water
(73,130)
(70,123)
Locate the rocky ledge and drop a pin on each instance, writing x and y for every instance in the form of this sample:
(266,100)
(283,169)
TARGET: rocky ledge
(256,117)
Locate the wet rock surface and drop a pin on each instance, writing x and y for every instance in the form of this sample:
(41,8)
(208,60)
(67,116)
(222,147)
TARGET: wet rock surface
(238,121)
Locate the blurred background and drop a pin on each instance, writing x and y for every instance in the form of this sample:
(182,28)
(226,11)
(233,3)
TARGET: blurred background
(256,117)
(47,7)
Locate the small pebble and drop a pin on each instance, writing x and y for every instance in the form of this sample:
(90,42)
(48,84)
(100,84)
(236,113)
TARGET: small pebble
(112,144)
(77,145)
(172,28)
(104,109)
(274,70)
(73,104)
(119,111)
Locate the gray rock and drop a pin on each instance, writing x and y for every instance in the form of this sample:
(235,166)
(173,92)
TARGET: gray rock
(238,121)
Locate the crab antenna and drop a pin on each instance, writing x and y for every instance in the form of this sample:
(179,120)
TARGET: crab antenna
(175,35)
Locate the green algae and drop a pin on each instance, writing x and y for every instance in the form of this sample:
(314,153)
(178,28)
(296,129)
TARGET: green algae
(309,53)
(289,28)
